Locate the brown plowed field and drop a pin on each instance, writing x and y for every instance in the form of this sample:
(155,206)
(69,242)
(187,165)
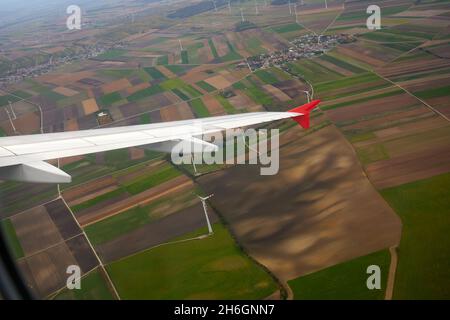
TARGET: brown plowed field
(408,168)
(152,234)
(372,107)
(95,214)
(319,210)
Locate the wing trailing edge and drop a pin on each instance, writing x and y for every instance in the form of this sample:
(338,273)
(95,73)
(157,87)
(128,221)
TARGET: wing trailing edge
(39,171)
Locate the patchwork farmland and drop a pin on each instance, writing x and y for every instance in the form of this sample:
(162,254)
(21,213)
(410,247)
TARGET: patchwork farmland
(365,185)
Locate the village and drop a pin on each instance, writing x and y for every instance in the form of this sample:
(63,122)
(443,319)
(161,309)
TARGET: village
(85,52)
(303,47)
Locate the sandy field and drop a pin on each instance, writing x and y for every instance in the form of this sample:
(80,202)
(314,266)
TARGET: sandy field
(219,82)
(90,106)
(214,107)
(116,85)
(65,91)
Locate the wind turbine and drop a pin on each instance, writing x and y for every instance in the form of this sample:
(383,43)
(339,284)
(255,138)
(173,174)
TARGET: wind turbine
(242,15)
(290,9)
(215,7)
(307,95)
(11,121)
(295,11)
(326,4)
(203,200)
(256,7)
(229,6)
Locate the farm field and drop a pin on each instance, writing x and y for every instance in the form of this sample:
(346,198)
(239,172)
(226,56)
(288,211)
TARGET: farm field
(423,256)
(94,288)
(371,173)
(283,242)
(58,243)
(343,281)
(212,268)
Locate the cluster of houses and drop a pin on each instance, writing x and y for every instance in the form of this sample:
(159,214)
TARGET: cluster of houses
(17,74)
(305,46)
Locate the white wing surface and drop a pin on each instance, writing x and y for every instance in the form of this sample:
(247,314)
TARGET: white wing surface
(21,157)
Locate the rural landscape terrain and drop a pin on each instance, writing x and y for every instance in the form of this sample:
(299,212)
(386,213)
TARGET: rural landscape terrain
(367,184)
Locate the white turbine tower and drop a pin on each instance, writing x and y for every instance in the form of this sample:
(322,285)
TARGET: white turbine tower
(308,96)
(326,4)
(181,46)
(229,6)
(295,12)
(203,200)
(12,110)
(215,7)
(256,7)
(242,15)
(290,9)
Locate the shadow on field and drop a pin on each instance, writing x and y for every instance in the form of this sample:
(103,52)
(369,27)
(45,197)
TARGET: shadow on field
(319,210)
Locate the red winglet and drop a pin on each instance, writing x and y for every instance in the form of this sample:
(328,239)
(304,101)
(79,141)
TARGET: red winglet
(303,120)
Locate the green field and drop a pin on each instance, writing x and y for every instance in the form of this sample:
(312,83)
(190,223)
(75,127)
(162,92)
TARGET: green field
(116,73)
(177,69)
(117,225)
(192,52)
(313,71)
(93,287)
(211,268)
(227,106)
(96,200)
(11,237)
(364,99)
(145,118)
(341,63)
(127,221)
(163,60)
(181,94)
(52,95)
(144,93)
(184,57)
(206,86)
(372,153)
(287,28)
(256,94)
(266,76)
(213,48)
(108,99)
(199,108)
(362,15)
(154,73)
(344,281)
(111,54)
(165,173)
(434,92)
(231,55)
(180,88)
(5,99)
(423,270)
(324,87)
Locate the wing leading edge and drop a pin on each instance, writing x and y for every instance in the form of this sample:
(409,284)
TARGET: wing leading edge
(22,157)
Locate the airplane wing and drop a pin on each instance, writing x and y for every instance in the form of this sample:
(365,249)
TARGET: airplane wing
(22,158)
